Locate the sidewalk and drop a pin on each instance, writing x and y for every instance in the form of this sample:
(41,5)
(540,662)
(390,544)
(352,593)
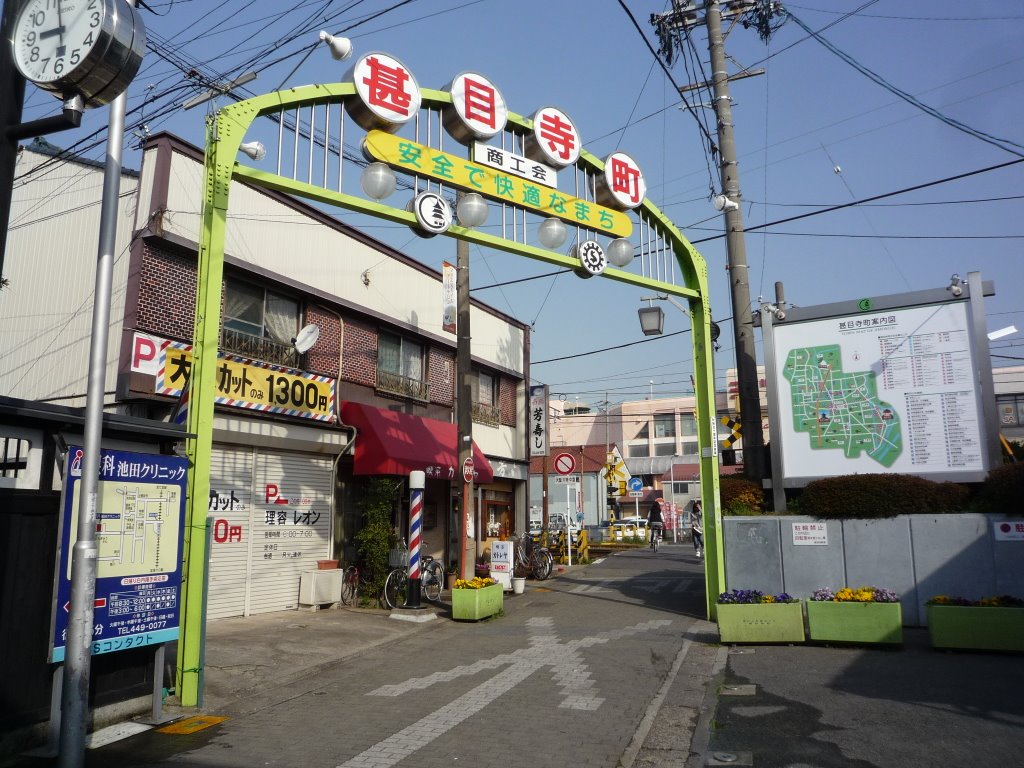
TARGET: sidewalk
(867,707)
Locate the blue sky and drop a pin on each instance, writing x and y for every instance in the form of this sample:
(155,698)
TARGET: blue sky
(812,132)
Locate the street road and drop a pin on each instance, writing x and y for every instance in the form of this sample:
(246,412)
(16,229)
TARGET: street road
(593,668)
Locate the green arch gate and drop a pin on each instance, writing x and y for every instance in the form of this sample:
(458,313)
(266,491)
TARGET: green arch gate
(513,162)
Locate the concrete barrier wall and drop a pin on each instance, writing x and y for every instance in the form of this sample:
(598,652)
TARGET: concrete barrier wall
(917,556)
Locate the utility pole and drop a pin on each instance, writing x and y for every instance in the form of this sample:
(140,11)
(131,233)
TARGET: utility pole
(685,16)
(736,250)
(464,410)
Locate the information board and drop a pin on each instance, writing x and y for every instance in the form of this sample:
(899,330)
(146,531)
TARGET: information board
(886,391)
(139,526)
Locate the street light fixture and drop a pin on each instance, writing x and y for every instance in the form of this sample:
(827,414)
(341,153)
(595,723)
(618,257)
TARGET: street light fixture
(652,318)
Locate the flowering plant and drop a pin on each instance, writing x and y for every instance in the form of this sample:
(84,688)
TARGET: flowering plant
(995,601)
(476,582)
(859,595)
(751,596)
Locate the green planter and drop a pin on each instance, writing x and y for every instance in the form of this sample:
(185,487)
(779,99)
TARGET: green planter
(476,604)
(761,622)
(982,629)
(832,622)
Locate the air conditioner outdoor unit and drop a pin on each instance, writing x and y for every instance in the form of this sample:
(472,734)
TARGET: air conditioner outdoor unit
(319,587)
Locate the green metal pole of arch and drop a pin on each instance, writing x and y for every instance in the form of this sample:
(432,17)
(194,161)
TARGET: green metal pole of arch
(224,136)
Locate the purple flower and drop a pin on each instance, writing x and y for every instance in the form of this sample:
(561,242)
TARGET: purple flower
(823,595)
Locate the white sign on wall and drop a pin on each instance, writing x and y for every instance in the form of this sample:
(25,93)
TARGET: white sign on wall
(1009,530)
(810,534)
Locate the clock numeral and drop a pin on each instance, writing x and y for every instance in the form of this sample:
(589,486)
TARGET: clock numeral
(30,38)
(38,19)
(58,66)
(95,20)
(75,57)
(34,55)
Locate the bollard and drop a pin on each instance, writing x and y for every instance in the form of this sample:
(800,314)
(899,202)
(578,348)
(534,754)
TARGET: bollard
(417,480)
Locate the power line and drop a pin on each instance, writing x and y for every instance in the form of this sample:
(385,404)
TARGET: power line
(882,196)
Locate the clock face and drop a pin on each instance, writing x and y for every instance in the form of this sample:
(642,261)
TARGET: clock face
(53,38)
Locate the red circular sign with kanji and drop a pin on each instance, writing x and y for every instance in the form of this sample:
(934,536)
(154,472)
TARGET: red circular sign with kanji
(467,470)
(565,463)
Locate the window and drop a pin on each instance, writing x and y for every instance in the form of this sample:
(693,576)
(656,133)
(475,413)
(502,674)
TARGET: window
(665,449)
(687,424)
(643,433)
(689,449)
(401,367)
(485,398)
(664,425)
(259,324)
(680,488)
(638,451)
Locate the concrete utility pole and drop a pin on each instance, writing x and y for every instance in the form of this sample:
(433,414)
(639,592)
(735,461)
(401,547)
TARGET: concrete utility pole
(739,273)
(464,410)
(685,16)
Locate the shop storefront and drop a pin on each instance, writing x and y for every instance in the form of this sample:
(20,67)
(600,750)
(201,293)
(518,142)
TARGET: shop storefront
(271,512)
(395,443)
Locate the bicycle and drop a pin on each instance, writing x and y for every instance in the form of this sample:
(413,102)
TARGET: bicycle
(532,559)
(657,530)
(350,585)
(396,586)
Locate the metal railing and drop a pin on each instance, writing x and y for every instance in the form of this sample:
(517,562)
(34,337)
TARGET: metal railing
(259,348)
(486,414)
(397,384)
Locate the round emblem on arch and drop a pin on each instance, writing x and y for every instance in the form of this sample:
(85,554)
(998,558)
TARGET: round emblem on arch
(592,258)
(433,214)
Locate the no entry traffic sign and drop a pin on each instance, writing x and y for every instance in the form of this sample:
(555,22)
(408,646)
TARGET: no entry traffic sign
(565,463)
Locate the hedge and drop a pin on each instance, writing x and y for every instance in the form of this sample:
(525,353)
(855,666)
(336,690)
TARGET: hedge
(880,495)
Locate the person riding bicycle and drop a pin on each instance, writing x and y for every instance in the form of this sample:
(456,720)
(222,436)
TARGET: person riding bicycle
(654,520)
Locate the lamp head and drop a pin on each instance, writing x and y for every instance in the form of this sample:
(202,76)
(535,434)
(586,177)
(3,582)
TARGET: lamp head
(253,150)
(377,181)
(471,210)
(723,203)
(340,47)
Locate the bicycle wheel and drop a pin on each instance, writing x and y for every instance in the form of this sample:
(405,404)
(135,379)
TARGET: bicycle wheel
(541,562)
(396,587)
(350,585)
(432,581)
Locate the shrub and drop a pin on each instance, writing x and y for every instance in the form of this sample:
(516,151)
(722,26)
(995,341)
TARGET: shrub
(741,496)
(880,495)
(1002,490)
(375,539)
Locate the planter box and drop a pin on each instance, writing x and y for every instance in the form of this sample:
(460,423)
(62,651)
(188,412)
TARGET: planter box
(833,622)
(476,604)
(761,623)
(983,629)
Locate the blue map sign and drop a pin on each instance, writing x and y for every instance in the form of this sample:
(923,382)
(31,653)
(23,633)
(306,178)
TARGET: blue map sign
(140,507)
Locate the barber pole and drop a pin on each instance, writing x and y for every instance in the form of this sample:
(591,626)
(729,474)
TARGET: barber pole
(417,480)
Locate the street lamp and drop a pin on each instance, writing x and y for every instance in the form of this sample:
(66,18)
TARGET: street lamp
(652,318)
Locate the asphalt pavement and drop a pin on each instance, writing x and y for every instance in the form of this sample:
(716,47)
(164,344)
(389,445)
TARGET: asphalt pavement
(610,664)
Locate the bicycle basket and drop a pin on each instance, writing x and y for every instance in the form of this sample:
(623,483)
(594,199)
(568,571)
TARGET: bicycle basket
(398,558)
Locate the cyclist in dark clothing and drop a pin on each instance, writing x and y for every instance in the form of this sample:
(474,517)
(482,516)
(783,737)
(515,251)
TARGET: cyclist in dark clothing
(655,522)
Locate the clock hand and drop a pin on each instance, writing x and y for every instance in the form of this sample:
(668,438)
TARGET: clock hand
(52,32)
(60,28)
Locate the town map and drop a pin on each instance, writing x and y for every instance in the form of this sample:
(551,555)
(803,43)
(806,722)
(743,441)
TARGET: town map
(840,410)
